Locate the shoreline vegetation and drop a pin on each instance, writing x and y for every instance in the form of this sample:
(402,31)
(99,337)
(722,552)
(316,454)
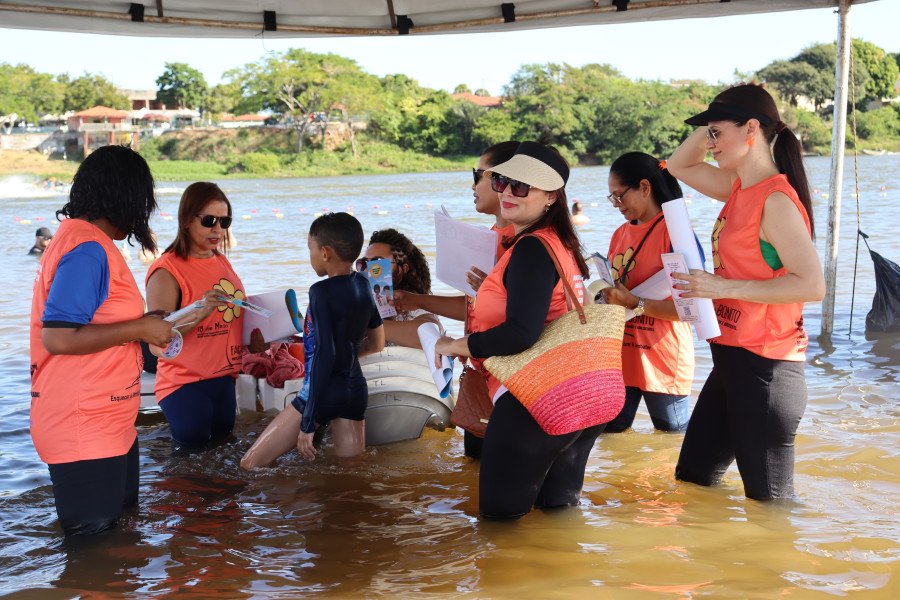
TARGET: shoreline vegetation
(326,116)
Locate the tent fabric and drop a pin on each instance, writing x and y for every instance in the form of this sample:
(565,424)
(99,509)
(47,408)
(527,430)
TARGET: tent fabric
(311,18)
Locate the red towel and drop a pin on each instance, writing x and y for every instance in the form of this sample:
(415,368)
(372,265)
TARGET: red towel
(276,365)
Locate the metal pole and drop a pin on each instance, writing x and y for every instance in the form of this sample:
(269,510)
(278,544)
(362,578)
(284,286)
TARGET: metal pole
(838,139)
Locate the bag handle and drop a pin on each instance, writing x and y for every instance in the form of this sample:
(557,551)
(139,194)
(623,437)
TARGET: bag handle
(571,299)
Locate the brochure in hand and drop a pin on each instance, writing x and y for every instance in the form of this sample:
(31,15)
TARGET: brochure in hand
(378,272)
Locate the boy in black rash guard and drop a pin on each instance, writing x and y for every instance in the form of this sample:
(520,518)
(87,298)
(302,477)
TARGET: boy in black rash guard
(342,324)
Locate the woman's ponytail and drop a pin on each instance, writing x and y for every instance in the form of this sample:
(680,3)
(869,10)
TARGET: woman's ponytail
(788,154)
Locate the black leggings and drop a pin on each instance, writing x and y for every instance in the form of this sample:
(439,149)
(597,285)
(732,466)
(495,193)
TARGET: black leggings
(91,494)
(522,466)
(748,411)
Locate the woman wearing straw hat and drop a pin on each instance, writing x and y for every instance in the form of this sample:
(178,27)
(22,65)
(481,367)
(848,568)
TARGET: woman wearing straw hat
(658,349)
(521,465)
(766,267)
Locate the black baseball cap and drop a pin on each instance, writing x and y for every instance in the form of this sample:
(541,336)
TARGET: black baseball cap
(44,233)
(739,103)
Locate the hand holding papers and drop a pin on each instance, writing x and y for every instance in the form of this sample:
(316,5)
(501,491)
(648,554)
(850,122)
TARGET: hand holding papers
(460,247)
(429,333)
(684,242)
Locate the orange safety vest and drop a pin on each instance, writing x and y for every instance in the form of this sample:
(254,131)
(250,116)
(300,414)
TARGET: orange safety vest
(503,233)
(214,346)
(657,354)
(770,330)
(490,303)
(83,407)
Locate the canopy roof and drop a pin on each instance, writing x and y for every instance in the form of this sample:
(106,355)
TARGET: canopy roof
(310,18)
(102,112)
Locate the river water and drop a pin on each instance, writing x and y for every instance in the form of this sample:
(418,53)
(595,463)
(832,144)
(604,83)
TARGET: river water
(401,520)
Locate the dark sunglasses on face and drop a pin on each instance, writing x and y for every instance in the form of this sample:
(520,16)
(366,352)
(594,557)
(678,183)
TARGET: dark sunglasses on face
(477,175)
(210,221)
(363,263)
(499,184)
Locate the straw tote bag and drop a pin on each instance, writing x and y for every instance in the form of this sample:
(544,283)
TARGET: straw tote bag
(571,378)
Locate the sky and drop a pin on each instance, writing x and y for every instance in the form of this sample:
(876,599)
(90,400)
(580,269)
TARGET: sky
(708,49)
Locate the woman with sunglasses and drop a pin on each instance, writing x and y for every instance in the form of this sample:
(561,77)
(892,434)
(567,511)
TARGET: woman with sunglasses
(521,465)
(410,274)
(86,318)
(766,267)
(658,349)
(487,202)
(196,389)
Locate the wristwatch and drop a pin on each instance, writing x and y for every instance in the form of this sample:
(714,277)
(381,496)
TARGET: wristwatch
(639,309)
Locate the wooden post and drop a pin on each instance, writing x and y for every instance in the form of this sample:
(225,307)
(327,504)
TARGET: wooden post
(838,140)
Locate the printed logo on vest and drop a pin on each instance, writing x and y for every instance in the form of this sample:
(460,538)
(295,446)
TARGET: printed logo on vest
(728,316)
(621,265)
(716,232)
(230,311)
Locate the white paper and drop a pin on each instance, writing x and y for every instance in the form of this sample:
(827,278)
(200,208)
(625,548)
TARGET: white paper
(684,242)
(687,308)
(601,264)
(460,247)
(280,324)
(655,287)
(429,333)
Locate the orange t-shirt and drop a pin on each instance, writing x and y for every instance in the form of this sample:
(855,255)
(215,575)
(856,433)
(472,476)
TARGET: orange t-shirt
(657,354)
(213,348)
(770,330)
(490,304)
(83,407)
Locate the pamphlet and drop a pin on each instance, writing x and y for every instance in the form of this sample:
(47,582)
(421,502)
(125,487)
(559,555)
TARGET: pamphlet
(686,307)
(461,246)
(378,272)
(684,242)
(429,333)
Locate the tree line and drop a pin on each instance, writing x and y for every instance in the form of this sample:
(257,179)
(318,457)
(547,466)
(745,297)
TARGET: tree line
(593,112)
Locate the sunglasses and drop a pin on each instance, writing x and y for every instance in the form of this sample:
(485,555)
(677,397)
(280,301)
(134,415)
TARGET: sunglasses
(477,174)
(363,263)
(209,221)
(499,183)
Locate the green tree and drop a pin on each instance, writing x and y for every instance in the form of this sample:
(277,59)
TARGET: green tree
(482,92)
(28,93)
(298,84)
(792,79)
(223,98)
(89,90)
(462,89)
(880,66)
(183,86)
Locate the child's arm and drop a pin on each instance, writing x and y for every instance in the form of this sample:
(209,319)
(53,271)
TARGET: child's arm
(373,342)
(323,356)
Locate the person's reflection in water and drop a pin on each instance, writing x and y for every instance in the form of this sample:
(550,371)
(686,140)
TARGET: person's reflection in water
(108,563)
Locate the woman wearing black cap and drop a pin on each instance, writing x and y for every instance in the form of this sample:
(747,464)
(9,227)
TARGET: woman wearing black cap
(521,465)
(42,239)
(766,267)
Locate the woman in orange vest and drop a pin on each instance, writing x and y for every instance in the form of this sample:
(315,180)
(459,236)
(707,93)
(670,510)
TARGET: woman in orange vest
(487,202)
(658,349)
(87,316)
(196,389)
(766,267)
(521,465)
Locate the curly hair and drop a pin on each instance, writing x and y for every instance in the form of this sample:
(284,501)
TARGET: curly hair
(114,183)
(417,276)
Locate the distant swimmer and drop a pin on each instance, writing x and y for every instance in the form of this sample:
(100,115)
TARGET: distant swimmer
(42,239)
(578,216)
